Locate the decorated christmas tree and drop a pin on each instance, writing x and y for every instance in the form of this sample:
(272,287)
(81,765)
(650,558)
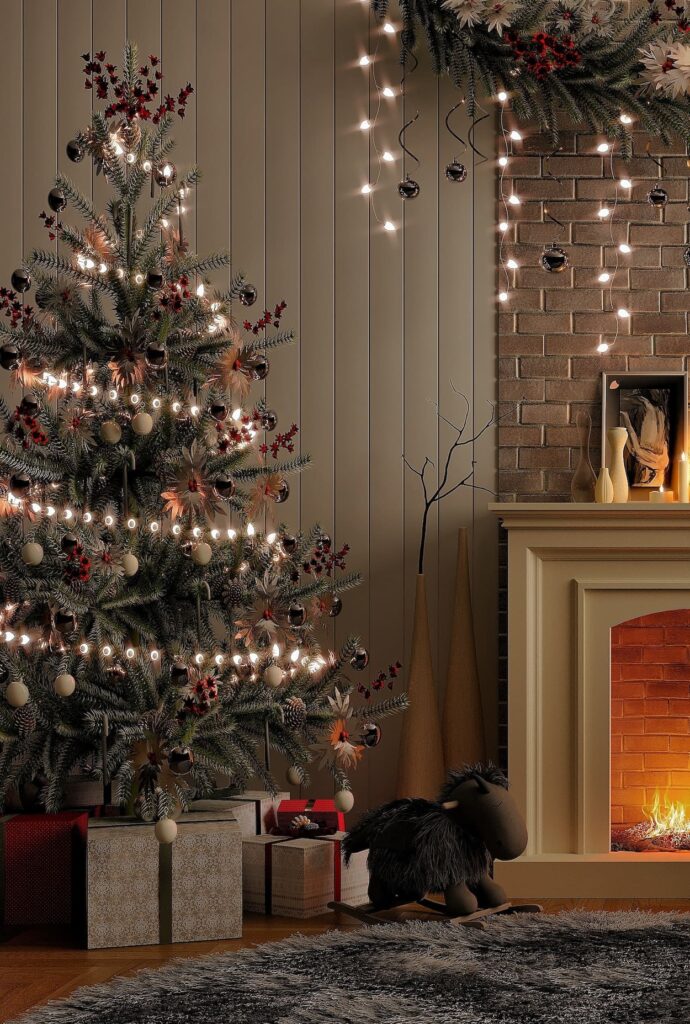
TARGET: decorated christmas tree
(160,628)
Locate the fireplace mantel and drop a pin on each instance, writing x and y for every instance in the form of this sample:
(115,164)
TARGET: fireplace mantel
(574,572)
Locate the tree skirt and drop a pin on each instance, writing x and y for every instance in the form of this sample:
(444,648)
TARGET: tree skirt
(576,968)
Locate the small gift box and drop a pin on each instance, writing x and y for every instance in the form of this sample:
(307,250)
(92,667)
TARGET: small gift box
(255,810)
(40,868)
(300,877)
(320,812)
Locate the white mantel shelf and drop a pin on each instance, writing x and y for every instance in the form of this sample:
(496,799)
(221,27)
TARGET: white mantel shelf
(559,514)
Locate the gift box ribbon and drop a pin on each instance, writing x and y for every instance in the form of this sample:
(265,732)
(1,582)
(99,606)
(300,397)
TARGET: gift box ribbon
(289,810)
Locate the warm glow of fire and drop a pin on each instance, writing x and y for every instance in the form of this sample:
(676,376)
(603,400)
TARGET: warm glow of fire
(666,817)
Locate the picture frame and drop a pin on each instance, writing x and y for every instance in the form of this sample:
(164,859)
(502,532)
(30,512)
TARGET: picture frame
(654,409)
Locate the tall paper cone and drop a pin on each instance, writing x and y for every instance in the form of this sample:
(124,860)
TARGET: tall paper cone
(463,722)
(420,765)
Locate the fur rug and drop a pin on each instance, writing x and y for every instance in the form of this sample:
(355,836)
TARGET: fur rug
(576,968)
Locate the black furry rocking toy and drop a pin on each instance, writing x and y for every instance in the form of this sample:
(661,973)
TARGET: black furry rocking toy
(418,847)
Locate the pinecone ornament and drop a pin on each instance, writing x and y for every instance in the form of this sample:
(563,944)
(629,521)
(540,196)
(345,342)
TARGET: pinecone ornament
(232,593)
(24,719)
(294,712)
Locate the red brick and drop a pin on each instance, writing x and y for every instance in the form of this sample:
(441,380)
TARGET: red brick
(628,762)
(658,323)
(646,778)
(519,435)
(666,726)
(520,345)
(627,727)
(665,655)
(545,413)
(668,760)
(668,688)
(681,744)
(680,707)
(544,458)
(639,635)
(643,672)
(629,655)
(544,323)
(645,743)
(577,299)
(677,635)
(656,234)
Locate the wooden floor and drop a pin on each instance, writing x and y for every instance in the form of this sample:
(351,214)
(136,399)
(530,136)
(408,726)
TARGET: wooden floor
(36,966)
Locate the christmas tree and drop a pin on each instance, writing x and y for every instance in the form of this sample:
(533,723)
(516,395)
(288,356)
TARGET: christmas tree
(159,627)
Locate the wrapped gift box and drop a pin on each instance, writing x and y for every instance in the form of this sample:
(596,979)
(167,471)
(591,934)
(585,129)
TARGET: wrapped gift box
(300,877)
(187,891)
(40,859)
(321,812)
(255,810)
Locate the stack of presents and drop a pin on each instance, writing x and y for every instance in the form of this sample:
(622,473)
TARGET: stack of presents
(115,885)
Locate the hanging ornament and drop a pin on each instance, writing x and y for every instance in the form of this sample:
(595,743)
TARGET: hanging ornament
(68,543)
(248,294)
(28,406)
(455,171)
(165,831)
(360,659)
(9,357)
(115,673)
(142,424)
(202,553)
(154,280)
(294,775)
(219,411)
(408,188)
(130,564)
(283,492)
(554,259)
(297,614)
(336,606)
(20,484)
(164,173)
(294,713)
(289,543)
(273,676)
(57,200)
(156,356)
(269,419)
(65,685)
(20,280)
(371,734)
(65,621)
(324,542)
(180,760)
(32,553)
(259,366)
(17,694)
(224,486)
(75,150)
(179,675)
(110,432)
(344,801)
(657,196)
(686,256)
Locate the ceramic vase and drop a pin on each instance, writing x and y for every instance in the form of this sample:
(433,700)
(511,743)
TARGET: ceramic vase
(463,720)
(617,437)
(420,764)
(603,492)
(584,479)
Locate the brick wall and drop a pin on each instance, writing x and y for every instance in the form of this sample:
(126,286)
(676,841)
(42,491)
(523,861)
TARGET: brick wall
(650,713)
(549,329)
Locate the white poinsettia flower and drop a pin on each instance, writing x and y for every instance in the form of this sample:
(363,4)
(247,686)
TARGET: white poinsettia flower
(681,56)
(597,15)
(340,704)
(658,62)
(468,12)
(499,15)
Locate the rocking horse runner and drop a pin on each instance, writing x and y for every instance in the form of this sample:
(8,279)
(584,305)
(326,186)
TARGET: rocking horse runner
(416,847)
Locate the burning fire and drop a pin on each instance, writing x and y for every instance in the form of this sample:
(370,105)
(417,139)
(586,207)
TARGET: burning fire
(666,817)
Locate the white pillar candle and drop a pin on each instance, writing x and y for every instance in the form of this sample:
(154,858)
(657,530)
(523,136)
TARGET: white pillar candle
(683,477)
(661,497)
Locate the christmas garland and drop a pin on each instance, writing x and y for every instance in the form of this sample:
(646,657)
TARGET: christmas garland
(584,58)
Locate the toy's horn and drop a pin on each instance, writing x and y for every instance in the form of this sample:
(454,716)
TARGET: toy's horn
(450,805)
(481,782)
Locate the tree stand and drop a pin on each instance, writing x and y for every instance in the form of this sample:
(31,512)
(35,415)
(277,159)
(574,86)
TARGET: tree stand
(369,914)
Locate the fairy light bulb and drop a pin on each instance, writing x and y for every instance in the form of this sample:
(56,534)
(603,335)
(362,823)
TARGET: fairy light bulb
(24,639)
(503,161)
(626,119)
(603,346)
(168,171)
(271,538)
(515,135)
(131,524)
(502,96)
(623,313)
(112,395)
(200,290)
(87,517)
(389,226)
(603,212)
(294,656)
(135,399)
(603,147)
(83,648)
(9,636)
(365,125)
(389,29)
(50,511)
(387,156)
(154,655)
(138,278)
(253,657)
(624,248)
(232,534)
(215,534)
(236,659)
(109,520)
(35,507)
(177,529)
(102,268)
(106,650)
(503,226)
(194,410)
(364,61)
(156,403)
(275,651)
(130,158)
(154,527)
(147,165)
(625,183)
(250,530)
(603,278)
(512,264)
(68,513)
(503,296)
(130,652)
(199,658)
(219,659)
(176,407)
(196,532)
(366,189)
(388,92)
(513,199)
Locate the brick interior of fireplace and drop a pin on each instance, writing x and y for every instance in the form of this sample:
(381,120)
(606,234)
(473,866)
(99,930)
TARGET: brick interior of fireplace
(650,713)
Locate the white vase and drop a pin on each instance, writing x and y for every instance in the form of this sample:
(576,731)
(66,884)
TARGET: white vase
(603,492)
(617,437)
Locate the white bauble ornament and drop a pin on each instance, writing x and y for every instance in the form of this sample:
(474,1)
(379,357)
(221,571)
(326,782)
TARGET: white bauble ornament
(17,694)
(65,685)
(110,432)
(32,553)
(142,423)
(165,831)
(344,800)
(293,776)
(130,563)
(273,675)
(202,553)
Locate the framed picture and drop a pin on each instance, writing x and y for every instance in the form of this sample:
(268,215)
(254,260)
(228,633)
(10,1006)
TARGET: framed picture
(653,408)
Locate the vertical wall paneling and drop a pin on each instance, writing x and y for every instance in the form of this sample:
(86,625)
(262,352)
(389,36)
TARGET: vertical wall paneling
(351,314)
(143,28)
(40,116)
(73,100)
(386,390)
(11,152)
(178,57)
(109,33)
(283,165)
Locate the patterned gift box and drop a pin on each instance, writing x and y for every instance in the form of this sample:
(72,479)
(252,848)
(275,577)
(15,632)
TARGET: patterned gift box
(255,810)
(300,877)
(164,901)
(322,812)
(40,868)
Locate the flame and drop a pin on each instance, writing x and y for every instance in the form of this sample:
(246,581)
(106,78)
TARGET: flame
(666,817)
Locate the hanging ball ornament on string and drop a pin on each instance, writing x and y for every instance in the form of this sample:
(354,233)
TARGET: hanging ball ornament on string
(408,188)
(154,279)
(273,676)
(21,280)
(17,694)
(224,486)
(554,259)
(180,760)
(344,801)
(28,406)
(75,150)
(164,173)
(142,423)
(110,432)
(165,831)
(686,261)
(20,484)
(455,171)
(657,197)
(64,685)
(65,621)
(259,367)
(289,542)
(219,411)
(130,564)
(283,492)
(294,775)
(156,356)
(297,615)
(57,200)
(9,357)
(68,543)
(269,419)
(32,553)
(248,294)
(360,659)
(371,734)
(202,553)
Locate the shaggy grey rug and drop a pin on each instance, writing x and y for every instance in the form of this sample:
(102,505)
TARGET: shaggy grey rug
(577,968)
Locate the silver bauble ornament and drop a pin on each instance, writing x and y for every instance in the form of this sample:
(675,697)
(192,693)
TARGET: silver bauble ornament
(455,171)
(554,259)
(408,188)
(657,197)
(180,760)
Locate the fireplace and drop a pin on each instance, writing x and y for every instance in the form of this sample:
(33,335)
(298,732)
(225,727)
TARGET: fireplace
(650,735)
(598,696)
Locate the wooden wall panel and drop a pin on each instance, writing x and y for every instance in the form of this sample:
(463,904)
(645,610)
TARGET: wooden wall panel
(384,320)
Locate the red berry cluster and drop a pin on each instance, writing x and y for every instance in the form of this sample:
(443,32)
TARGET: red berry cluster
(284,441)
(543,53)
(204,693)
(51,224)
(679,10)
(17,313)
(132,100)
(382,679)
(267,319)
(78,568)
(175,294)
(325,560)
(26,429)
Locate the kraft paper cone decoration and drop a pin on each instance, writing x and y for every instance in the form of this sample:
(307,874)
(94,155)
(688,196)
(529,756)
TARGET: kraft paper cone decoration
(464,740)
(420,768)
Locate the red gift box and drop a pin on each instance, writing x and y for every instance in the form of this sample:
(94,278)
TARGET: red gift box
(322,812)
(42,861)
